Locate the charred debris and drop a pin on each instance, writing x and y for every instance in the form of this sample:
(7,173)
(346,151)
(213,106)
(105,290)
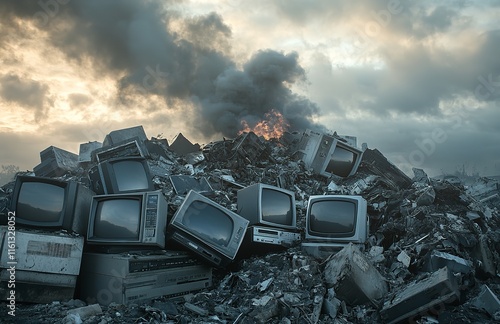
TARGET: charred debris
(432,253)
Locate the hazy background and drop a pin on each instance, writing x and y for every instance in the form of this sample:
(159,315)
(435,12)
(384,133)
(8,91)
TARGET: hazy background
(418,80)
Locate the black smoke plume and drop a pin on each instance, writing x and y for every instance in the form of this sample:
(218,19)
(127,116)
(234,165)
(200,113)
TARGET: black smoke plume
(134,41)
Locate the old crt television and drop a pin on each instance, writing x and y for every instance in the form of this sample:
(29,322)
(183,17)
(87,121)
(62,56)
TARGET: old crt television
(337,219)
(343,160)
(267,205)
(41,202)
(121,175)
(208,229)
(121,222)
(328,155)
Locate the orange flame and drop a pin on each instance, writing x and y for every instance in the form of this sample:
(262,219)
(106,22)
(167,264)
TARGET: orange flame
(273,126)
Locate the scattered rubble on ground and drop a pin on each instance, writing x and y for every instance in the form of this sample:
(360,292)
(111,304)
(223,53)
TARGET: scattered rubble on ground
(433,254)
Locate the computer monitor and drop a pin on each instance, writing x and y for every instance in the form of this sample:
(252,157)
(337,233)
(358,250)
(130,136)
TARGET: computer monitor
(127,222)
(267,205)
(208,229)
(121,175)
(328,155)
(41,202)
(337,219)
(343,160)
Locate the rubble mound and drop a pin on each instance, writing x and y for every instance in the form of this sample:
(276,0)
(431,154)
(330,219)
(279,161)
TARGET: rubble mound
(435,245)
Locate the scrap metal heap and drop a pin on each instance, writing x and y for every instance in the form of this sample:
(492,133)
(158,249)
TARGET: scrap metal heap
(433,253)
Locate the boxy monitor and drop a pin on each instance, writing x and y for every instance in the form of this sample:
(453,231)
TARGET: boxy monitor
(343,160)
(337,219)
(121,175)
(122,222)
(328,155)
(267,205)
(208,229)
(40,202)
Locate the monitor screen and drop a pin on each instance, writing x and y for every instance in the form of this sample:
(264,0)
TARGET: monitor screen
(210,230)
(42,202)
(208,222)
(341,162)
(39,201)
(121,222)
(130,175)
(333,217)
(118,219)
(277,207)
(267,205)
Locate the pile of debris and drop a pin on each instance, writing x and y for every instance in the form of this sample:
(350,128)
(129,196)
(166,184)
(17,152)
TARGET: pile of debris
(433,253)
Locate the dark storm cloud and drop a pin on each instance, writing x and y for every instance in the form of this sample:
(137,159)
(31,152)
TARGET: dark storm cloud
(28,93)
(133,39)
(439,19)
(417,79)
(486,67)
(11,28)
(414,79)
(416,18)
(20,8)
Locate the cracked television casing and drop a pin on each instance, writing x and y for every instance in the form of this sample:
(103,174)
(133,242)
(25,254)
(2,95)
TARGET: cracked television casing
(336,219)
(267,205)
(208,229)
(41,202)
(123,222)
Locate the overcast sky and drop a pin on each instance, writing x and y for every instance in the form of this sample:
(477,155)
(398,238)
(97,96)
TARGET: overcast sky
(417,80)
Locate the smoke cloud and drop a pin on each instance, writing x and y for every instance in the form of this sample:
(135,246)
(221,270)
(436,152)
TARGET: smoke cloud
(150,51)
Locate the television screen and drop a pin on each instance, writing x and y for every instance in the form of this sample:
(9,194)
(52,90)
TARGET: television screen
(208,222)
(39,199)
(329,155)
(210,230)
(50,203)
(333,217)
(130,175)
(341,162)
(277,207)
(264,204)
(337,218)
(121,175)
(120,221)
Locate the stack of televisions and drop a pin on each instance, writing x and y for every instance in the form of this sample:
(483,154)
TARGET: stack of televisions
(127,255)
